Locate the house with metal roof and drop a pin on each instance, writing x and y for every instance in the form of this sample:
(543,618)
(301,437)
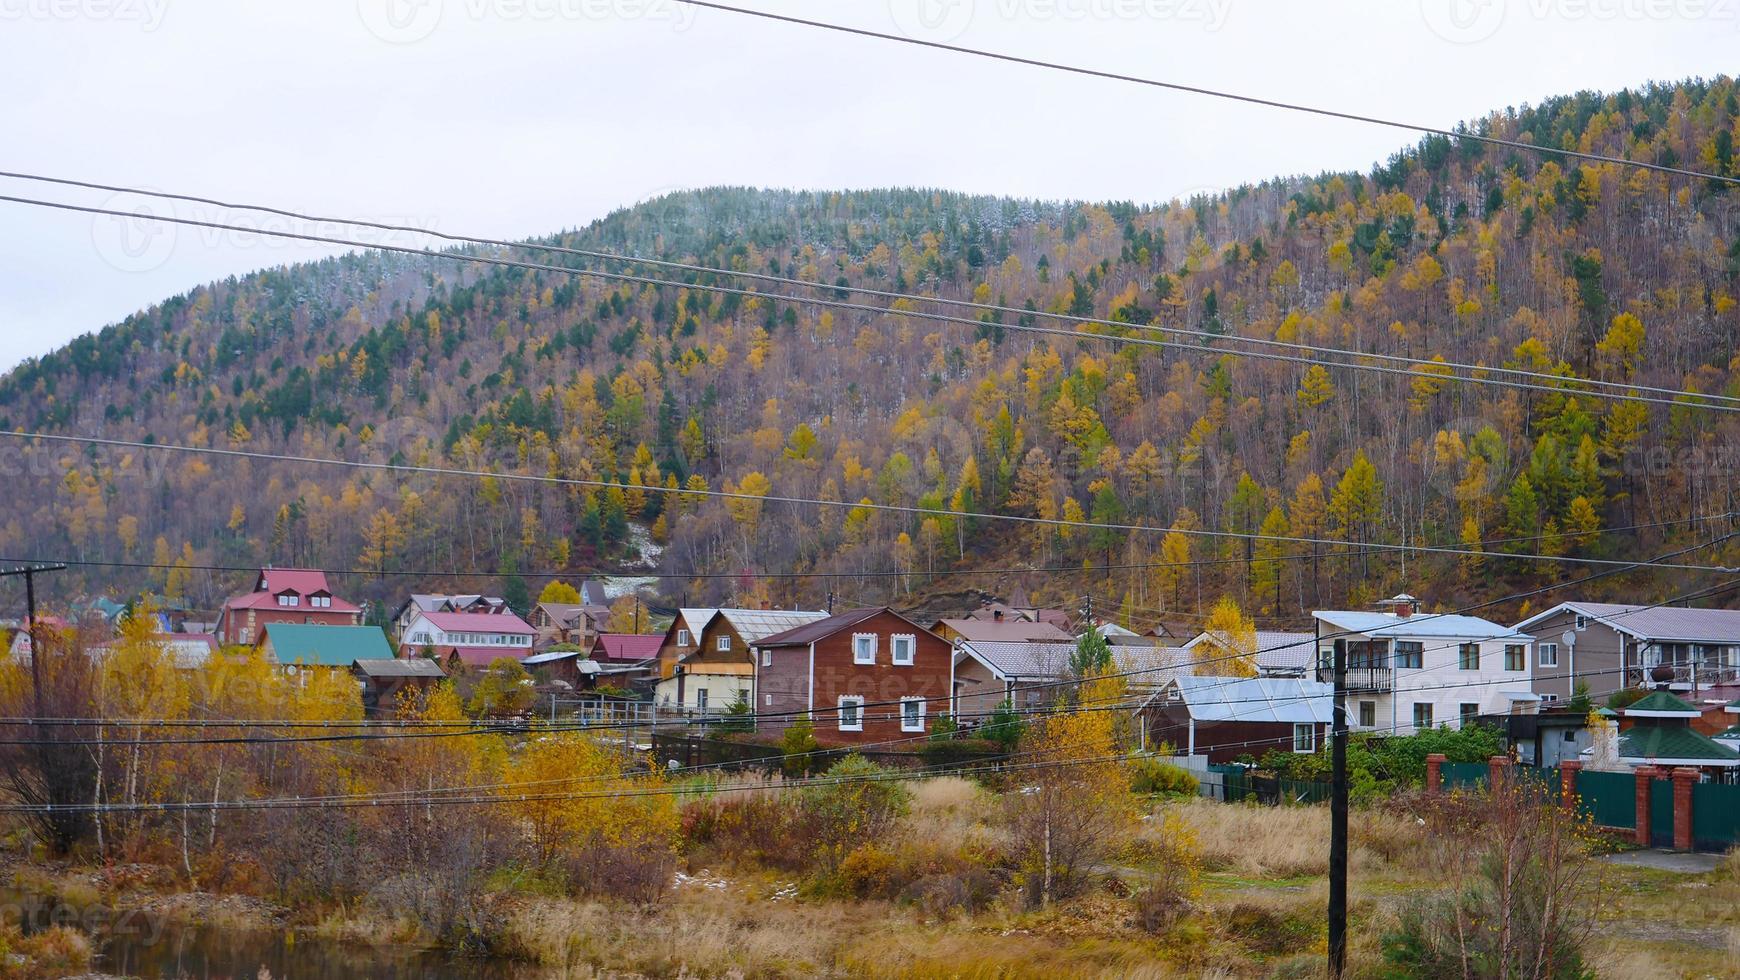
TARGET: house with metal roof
(1274,654)
(1612,646)
(862,675)
(316,645)
(705,661)
(383,681)
(989,672)
(1657,731)
(1000,629)
(1223,718)
(475,639)
(1409,670)
(283,595)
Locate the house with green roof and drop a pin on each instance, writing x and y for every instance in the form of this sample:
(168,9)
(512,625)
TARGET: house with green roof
(1657,731)
(319,645)
(1731,735)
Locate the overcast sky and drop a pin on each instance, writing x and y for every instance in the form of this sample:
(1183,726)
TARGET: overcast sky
(511,118)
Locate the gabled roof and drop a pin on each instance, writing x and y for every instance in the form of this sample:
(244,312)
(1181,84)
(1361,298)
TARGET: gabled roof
(401,667)
(302,580)
(1652,622)
(479,622)
(1382,625)
(325,646)
(1015,661)
(1017,631)
(1276,651)
(1656,745)
(806,633)
(1149,665)
(1661,704)
(1286,700)
(269,600)
(755,624)
(628,646)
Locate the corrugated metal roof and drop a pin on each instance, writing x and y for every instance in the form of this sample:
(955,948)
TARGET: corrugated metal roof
(403,667)
(1275,650)
(325,646)
(753,624)
(1022,661)
(1257,699)
(1007,630)
(1149,665)
(1390,626)
(1662,622)
(810,632)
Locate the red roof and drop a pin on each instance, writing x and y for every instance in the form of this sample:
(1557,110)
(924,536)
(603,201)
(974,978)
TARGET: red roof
(302,580)
(479,622)
(631,647)
(479,656)
(269,600)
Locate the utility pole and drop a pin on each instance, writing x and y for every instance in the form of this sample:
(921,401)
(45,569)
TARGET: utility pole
(1338,818)
(830,602)
(29,573)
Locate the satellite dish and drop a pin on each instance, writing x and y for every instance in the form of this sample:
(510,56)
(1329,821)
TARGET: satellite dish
(1569,638)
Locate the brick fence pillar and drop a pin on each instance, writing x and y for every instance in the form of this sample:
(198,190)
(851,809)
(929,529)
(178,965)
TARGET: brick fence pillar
(1645,778)
(1568,770)
(1498,770)
(1435,772)
(1683,778)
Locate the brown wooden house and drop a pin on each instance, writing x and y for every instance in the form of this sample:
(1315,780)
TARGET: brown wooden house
(863,675)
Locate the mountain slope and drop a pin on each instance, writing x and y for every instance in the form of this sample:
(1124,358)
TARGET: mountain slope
(1451,249)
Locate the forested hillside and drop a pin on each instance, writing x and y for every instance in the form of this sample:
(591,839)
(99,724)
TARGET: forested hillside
(1452,249)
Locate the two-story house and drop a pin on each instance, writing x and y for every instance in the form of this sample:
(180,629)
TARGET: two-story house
(1409,670)
(426,602)
(470,638)
(705,661)
(863,675)
(1611,646)
(283,595)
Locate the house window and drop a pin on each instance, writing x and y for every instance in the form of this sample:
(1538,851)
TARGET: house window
(863,648)
(1513,657)
(1368,714)
(682,638)
(722,642)
(1468,656)
(912,714)
(1410,653)
(700,699)
(1582,622)
(1422,715)
(769,701)
(1549,654)
(851,714)
(767,658)
(1304,737)
(901,647)
(1467,713)
(322,601)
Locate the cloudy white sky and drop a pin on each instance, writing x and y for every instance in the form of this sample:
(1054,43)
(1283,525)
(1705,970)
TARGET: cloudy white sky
(509,118)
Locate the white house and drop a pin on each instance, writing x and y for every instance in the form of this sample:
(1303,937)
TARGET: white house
(1408,670)
(476,638)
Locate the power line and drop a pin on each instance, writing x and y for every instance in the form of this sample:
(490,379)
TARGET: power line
(1530,148)
(1566,386)
(848,505)
(1558,382)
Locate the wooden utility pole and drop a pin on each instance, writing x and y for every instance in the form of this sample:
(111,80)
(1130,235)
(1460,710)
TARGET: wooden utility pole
(1338,818)
(29,573)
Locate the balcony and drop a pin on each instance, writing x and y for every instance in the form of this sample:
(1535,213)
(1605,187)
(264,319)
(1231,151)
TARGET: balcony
(1684,676)
(1362,680)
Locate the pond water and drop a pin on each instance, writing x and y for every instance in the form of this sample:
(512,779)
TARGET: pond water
(151,947)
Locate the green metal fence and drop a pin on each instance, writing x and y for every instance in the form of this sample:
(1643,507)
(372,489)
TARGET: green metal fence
(1464,775)
(1661,813)
(1609,798)
(1715,816)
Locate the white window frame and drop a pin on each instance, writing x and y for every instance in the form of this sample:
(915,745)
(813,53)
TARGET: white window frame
(722,643)
(769,700)
(858,657)
(1310,737)
(683,638)
(857,703)
(919,725)
(895,642)
(766,658)
(1582,622)
(701,699)
(1543,650)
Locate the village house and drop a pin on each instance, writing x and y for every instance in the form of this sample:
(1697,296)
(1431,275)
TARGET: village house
(1658,731)
(1222,718)
(421,602)
(705,661)
(283,595)
(473,639)
(1612,646)
(188,651)
(1276,654)
(1409,670)
(989,672)
(572,623)
(1000,628)
(863,675)
(311,645)
(383,681)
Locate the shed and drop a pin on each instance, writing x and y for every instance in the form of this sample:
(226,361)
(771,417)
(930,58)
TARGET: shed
(1226,717)
(383,680)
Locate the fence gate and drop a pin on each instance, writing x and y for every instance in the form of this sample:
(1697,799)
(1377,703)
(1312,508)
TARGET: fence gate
(1715,816)
(1610,798)
(1661,813)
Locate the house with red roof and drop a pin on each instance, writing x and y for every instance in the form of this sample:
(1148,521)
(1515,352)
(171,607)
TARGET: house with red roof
(621,649)
(474,639)
(283,595)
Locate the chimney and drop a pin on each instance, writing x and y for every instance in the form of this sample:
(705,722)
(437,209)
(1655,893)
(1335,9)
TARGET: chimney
(997,615)
(1403,605)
